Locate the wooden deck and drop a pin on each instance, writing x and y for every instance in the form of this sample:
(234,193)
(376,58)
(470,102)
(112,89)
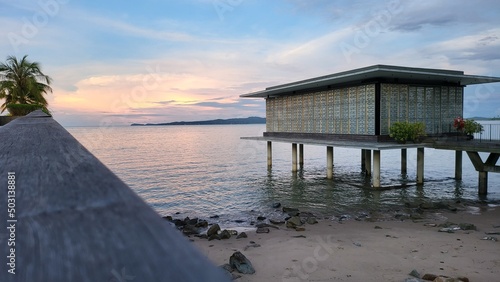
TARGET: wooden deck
(366,145)
(76,221)
(468,146)
(443,144)
(372,148)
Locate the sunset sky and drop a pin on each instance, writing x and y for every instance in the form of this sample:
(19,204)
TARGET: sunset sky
(119,62)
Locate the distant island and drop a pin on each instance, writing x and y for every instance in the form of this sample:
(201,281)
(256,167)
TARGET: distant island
(248,120)
(486,118)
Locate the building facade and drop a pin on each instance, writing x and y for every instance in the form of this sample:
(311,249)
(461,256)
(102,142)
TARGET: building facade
(365,102)
(353,109)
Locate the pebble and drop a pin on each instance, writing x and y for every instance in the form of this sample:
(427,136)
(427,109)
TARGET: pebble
(266,225)
(276,221)
(202,224)
(262,230)
(213,237)
(415,273)
(449,229)
(239,262)
(311,220)
(293,222)
(225,234)
(429,277)
(242,235)
(251,245)
(490,238)
(492,233)
(213,230)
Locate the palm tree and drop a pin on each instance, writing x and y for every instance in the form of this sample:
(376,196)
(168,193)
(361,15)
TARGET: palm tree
(23,82)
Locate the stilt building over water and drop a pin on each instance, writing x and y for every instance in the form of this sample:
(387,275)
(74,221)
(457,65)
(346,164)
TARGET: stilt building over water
(356,108)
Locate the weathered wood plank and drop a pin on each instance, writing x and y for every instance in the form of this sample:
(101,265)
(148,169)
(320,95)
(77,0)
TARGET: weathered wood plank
(476,160)
(77,221)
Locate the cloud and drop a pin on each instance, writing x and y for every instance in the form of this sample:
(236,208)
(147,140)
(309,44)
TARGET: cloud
(169,102)
(483,46)
(416,16)
(192,65)
(128,30)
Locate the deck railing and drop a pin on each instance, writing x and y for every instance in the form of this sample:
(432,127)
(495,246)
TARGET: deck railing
(66,217)
(491,132)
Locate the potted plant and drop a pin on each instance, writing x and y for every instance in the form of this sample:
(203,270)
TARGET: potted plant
(403,131)
(470,127)
(417,131)
(459,124)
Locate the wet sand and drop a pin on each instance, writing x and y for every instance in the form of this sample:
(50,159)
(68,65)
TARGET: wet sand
(353,250)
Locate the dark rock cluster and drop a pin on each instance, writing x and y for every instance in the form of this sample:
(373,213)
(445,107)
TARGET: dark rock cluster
(416,277)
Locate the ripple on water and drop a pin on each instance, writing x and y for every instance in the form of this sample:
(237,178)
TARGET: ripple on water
(206,170)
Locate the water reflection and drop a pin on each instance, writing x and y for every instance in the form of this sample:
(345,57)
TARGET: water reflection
(204,170)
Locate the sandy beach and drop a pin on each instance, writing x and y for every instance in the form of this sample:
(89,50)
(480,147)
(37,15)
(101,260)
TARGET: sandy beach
(352,250)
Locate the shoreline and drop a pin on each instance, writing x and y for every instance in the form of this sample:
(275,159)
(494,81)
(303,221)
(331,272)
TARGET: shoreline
(366,250)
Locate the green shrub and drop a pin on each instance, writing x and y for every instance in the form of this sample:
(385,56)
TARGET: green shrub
(405,131)
(472,127)
(24,109)
(418,130)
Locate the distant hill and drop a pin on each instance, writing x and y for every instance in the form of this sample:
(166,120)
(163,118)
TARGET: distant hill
(483,118)
(248,120)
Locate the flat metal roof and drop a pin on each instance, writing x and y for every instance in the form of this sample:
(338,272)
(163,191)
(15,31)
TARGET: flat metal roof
(371,73)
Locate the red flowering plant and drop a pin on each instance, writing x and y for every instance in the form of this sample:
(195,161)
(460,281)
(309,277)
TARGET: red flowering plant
(459,123)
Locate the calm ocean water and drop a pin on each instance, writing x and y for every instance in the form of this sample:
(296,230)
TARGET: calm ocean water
(208,170)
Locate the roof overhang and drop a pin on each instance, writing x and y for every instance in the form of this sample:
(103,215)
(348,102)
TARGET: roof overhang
(378,73)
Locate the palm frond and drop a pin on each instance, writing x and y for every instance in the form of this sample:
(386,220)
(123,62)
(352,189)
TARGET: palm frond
(23,82)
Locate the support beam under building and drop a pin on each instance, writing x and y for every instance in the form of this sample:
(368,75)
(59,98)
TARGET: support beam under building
(269,154)
(363,157)
(301,155)
(368,162)
(458,165)
(483,168)
(404,158)
(376,168)
(483,183)
(294,157)
(420,165)
(329,162)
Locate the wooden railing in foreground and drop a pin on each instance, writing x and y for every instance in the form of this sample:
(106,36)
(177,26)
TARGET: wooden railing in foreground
(74,220)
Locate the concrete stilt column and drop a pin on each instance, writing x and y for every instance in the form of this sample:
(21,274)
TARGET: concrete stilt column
(301,155)
(420,165)
(329,162)
(269,154)
(376,168)
(458,165)
(363,157)
(294,157)
(483,183)
(404,158)
(368,162)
